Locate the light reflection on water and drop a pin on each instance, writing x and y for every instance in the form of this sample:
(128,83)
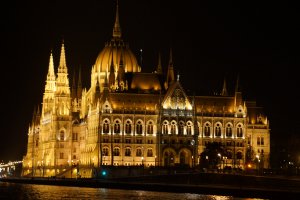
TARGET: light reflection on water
(46,192)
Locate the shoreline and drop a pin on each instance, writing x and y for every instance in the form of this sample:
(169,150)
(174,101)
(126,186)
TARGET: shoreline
(153,183)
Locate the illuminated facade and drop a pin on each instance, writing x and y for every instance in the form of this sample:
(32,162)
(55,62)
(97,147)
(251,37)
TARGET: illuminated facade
(129,118)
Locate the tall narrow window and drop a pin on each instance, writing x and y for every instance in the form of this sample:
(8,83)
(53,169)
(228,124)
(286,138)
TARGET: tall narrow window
(239,131)
(181,128)
(128,127)
(139,152)
(117,129)
(228,131)
(218,130)
(165,128)
(105,151)
(207,130)
(258,140)
(189,128)
(139,127)
(262,142)
(116,152)
(127,152)
(150,128)
(105,126)
(173,128)
(149,153)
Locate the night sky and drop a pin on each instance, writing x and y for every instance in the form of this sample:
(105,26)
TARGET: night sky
(210,41)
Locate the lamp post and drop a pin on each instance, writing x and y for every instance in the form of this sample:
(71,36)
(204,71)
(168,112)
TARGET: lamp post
(258,162)
(219,161)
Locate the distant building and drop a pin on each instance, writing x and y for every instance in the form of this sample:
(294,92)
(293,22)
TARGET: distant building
(128,118)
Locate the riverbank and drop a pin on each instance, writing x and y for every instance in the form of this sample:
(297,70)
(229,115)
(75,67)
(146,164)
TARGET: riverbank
(199,183)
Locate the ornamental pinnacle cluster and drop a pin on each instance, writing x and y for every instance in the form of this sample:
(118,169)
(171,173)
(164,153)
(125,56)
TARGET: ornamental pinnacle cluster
(131,118)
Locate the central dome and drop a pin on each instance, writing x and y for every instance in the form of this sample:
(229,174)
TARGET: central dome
(114,51)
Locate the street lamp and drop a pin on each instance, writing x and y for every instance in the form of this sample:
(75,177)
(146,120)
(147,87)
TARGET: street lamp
(219,160)
(258,161)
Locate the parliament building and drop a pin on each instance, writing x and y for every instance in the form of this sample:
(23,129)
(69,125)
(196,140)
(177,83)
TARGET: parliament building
(131,118)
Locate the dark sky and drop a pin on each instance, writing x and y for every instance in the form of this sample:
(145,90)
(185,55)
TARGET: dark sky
(210,40)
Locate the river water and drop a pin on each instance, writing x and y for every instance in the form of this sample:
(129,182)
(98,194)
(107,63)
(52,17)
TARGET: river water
(47,192)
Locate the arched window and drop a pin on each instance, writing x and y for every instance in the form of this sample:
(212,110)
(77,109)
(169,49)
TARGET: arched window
(139,127)
(150,128)
(218,130)
(173,127)
(117,128)
(239,131)
(128,127)
(189,128)
(181,128)
(228,131)
(105,151)
(139,152)
(207,130)
(62,135)
(116,151)
(165,127)
(149,153)
(105,126)
(127,151)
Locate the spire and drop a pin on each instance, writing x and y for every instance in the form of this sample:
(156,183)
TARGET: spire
(170,73)
(238,93)
(159,67)
(117,29)
(62,81)
(224,90)
(79,85)
(62,61)
(50,82)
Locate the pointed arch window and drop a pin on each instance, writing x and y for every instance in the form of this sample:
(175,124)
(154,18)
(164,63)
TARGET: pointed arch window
(139,127)
(117,128)
(173,128)
(165,127)
(105,126)
(181,128)
(128,127)
(207,130)
(228,131)
(218,130)
(150,128)
(239,131)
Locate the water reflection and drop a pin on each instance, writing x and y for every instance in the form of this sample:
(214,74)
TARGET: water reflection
(45,192)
